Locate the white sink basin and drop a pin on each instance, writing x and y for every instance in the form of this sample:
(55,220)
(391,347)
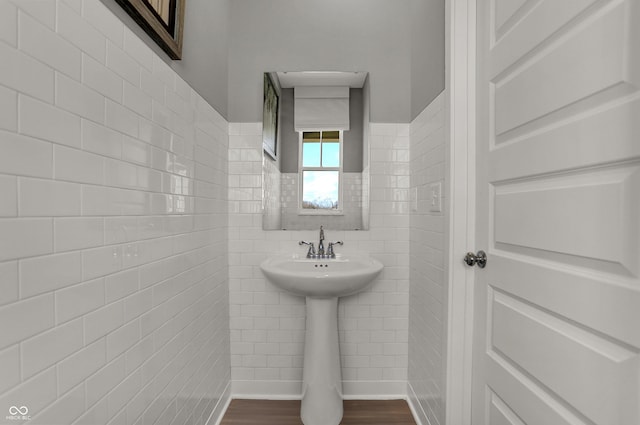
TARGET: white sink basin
(321,281)
(321,278)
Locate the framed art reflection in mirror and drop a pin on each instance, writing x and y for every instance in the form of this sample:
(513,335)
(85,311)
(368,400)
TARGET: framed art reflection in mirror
(270,117)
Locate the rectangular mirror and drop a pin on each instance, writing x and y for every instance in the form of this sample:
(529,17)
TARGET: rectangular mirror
(315,150)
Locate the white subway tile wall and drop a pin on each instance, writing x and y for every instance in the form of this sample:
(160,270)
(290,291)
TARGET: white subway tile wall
(267,324)
(428,308)
(113,226)
(271,189)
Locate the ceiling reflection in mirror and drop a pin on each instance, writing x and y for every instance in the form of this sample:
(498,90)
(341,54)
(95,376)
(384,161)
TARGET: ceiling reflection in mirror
(315,150)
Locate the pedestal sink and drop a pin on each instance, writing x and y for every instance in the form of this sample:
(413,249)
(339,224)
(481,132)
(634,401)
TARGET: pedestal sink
(321,281)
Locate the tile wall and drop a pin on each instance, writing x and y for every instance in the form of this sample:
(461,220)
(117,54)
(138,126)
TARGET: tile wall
(427,315)
(267,325)
(351,217)
(271,192)
(113,226)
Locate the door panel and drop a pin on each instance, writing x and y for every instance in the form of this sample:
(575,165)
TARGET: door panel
(558,211)
(500,414)
(530,26)
(558,73)
(549,349)
(577,142)
(571,291)
(586,214)
(533,404)
(504,12)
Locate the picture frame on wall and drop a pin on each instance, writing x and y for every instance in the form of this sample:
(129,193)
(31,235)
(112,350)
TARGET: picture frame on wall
(270,117)
(162,20)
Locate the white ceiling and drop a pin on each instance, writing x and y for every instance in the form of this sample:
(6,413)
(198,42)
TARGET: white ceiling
(321,78)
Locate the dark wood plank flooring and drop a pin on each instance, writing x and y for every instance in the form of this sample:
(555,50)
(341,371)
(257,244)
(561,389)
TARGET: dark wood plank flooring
(287,412)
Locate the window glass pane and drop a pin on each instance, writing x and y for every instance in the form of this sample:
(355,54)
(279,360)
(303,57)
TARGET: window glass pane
(310,154)
(320,190)
(311,149)
(330,154)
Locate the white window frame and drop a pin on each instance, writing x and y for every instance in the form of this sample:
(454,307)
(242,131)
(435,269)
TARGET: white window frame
(308,211)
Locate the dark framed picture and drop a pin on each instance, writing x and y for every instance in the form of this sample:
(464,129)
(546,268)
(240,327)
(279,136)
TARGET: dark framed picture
(270,117)
(162,19)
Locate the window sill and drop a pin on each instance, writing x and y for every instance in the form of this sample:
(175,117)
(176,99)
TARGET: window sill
(320,212)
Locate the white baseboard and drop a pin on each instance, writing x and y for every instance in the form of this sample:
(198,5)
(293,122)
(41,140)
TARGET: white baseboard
(416,408)
(267,390)
(221,408)
(292,390)
(374,390)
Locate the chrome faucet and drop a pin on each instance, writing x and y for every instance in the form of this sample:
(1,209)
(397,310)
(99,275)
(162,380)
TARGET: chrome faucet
(311,253)
(330,253)
(321,244)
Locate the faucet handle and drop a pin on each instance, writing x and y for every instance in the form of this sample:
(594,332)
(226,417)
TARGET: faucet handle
(330,252)
(312,250)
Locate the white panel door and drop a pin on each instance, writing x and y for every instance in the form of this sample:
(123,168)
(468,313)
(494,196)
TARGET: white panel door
(557,309)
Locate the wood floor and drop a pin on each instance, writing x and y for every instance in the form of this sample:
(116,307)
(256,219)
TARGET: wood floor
(287,412)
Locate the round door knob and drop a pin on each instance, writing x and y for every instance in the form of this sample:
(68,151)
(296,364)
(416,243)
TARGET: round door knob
(472,259)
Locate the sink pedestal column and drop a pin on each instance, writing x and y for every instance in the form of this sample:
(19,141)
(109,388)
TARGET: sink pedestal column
(322,376)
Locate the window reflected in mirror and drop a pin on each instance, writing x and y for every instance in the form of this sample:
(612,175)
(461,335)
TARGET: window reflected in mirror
(321,170)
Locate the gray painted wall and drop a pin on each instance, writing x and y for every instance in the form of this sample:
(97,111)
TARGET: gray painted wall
(204,63)
(427,53)
(290,143)
(352,149)
(321,35)
(366,119)
(228,44)
(288,136)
